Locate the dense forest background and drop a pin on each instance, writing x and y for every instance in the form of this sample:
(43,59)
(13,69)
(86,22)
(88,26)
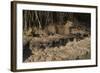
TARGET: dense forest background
(42,19)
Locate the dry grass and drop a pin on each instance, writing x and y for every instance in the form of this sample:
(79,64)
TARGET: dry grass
(71,51)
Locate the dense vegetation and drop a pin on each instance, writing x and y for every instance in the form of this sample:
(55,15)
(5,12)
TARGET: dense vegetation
(41,19)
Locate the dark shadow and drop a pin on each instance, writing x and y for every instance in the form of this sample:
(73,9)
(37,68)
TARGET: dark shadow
(26,51)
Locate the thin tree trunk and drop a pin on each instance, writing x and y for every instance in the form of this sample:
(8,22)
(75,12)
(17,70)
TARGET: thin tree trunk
(25,23)
(38,19)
